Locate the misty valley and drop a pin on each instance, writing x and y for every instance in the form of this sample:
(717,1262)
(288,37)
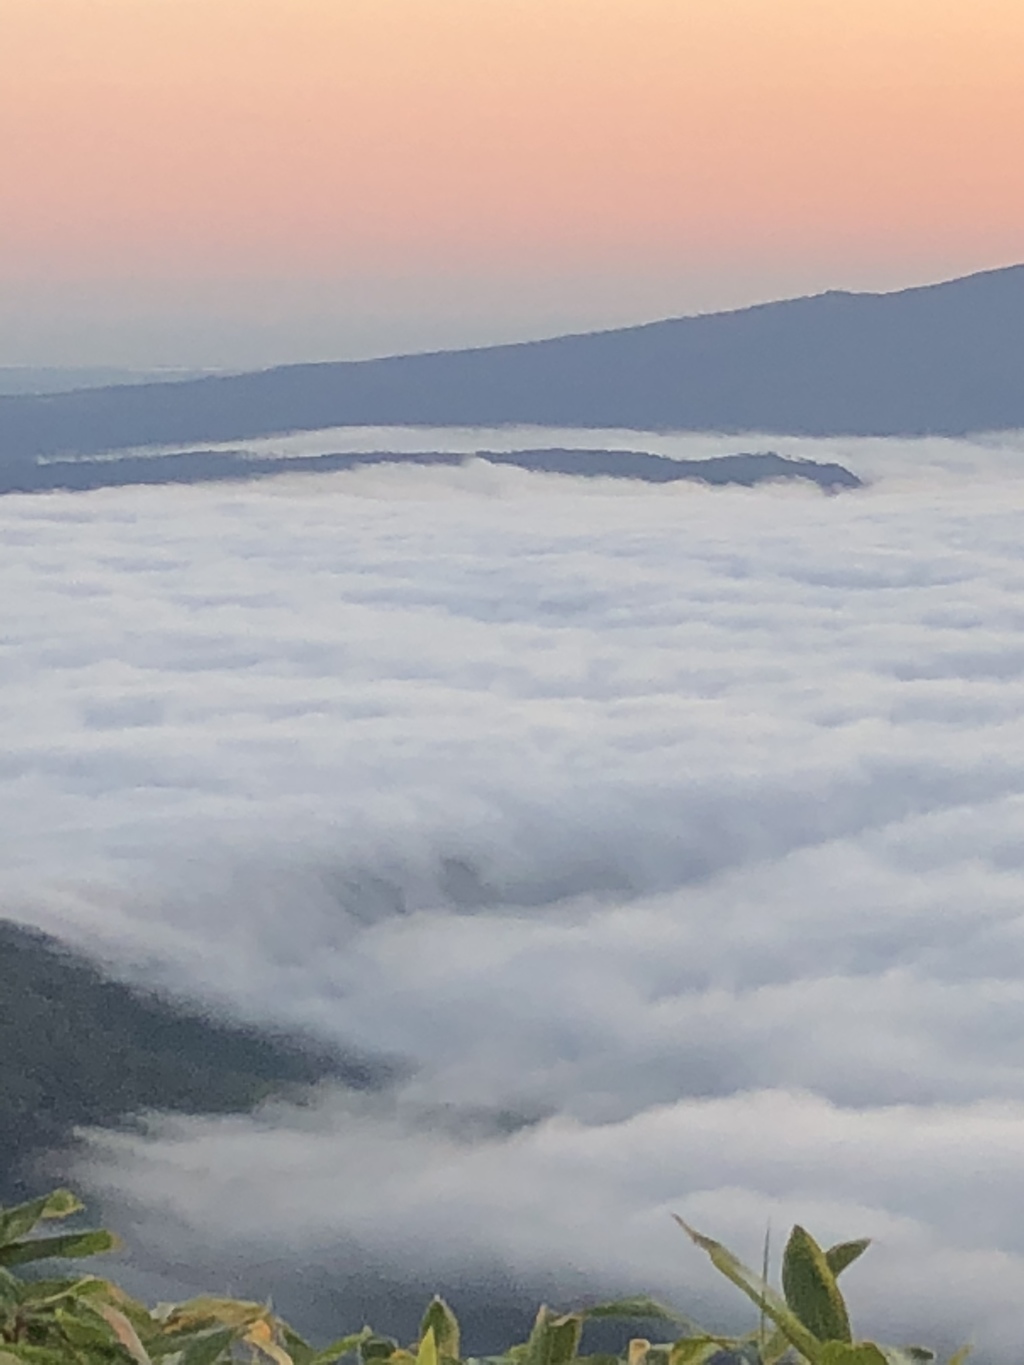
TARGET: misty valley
(464,813)
(450,870)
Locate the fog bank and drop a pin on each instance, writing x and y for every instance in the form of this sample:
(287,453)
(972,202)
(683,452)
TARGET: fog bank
(671,835)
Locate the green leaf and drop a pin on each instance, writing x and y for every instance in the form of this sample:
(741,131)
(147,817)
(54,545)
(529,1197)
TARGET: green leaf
(84,1329)
(759,1293)
(342,1347)
(811,1290)
(70,1245)
(124,1330)
(958,1357)
(427,1353)
(440,1319)
(845,1253)
(11,1288)
(554,1340)
(639,1307)
(772,1349)
(536,1352)
(208,1347)
(656,1355)
(378,1348)
(22,1218)
(196,1315)
(36,1355)
(297,1347)
(40,1293)
(693,1350)
(564,1339)
(846,1353)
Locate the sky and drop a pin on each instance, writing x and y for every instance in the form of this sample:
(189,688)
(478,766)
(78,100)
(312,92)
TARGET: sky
(680,827)
(234,182)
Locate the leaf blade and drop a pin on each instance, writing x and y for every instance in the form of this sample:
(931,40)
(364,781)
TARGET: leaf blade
(811,1290)
(845,1253)
(67,1246)
(18,1221)
(759,1293)
(440,1320)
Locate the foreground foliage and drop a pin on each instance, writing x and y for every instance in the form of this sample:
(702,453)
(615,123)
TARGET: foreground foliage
(87,1320)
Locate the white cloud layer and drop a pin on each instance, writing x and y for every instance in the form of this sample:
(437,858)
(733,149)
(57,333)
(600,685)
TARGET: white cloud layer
(689,820)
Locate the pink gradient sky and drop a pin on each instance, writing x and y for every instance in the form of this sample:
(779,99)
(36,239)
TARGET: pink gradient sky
(238,181)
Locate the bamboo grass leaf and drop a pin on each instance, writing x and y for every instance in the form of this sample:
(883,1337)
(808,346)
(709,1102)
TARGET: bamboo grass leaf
(16,1222)
(376,1347)
(440,1320)
(849,1353)
(774,1348)
(208,1347)
(42,1293)
(536,1351)
(69,1245)
(427,1353)
(811,1290)
(124,1330)
(564,1340)
(553,1340)
(759,1293)
(297,1347)
(83,1329)
(209,1311)
(640,1307)
(261,1336)
(845,1253)
(694,1350)
(342,1347)
(37,1355)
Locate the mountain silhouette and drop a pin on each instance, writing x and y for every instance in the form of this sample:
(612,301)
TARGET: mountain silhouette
(206,466)
(943,359)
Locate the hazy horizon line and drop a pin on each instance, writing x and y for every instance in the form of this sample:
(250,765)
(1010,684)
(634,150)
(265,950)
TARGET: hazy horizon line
(307,340)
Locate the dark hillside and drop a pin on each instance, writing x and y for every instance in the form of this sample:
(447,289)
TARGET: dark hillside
(78,1048)
(944,359)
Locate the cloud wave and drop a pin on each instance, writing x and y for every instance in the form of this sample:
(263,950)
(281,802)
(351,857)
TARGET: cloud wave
(671,836)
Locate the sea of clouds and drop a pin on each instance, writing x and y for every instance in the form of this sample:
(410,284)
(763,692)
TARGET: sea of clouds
(670,839)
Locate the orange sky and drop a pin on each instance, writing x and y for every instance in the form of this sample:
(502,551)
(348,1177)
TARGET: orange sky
(211,140)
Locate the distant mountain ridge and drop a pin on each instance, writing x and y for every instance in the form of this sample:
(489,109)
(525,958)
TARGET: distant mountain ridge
(943,359)
(207,466)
